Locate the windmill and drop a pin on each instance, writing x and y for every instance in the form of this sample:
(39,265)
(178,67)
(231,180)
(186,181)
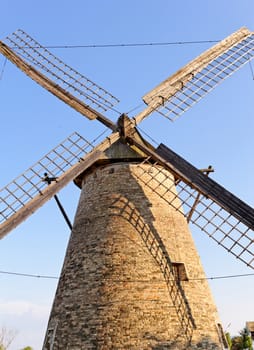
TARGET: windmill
(131,275)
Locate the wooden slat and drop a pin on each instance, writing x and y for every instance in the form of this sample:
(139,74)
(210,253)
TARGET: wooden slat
(35,203)
(208,187)
(166,90)
(52,87)
(190,175)
(186,73)
(55,187)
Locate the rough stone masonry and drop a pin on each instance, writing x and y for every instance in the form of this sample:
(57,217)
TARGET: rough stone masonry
(129,279)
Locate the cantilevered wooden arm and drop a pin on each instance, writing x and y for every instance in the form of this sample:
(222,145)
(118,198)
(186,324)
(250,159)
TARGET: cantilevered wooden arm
(55,89)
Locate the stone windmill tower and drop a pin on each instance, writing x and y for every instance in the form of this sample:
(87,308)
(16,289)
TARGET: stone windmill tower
(132,278)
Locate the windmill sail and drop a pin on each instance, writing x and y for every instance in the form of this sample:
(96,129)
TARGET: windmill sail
(220,214)
(129,230)
(29,191)
(50,72)
(186,87)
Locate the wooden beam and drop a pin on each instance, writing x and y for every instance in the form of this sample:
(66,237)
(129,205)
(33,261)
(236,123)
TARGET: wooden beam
(193,177)
(208,187)
(54,187)
(175,83)
(46,194)
(183,75)
(55,89)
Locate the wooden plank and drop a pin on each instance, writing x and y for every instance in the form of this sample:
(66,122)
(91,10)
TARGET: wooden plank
(55,89)
(193,177)
(208,187)
(46,194)
(176,81)
(165,90)
(55,187)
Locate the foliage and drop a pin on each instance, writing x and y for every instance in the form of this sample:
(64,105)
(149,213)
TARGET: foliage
(247,342)
(242,341)
(228,337)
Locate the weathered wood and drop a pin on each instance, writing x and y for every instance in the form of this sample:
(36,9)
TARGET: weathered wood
(55,89)
(178,79)
(175,83)
(208,187)
(192,176)
(46,194)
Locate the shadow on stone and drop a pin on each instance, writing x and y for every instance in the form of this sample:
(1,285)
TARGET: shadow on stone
(178,344)
(154,244)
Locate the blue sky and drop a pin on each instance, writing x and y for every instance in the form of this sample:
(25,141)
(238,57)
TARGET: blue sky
(217,131)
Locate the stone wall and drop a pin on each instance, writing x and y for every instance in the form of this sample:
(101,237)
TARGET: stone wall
(119,287)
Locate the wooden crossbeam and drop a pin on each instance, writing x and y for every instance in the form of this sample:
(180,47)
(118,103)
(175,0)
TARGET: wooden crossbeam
(54,88)
(188,85)
(44,195)
(208,187)
(186,73)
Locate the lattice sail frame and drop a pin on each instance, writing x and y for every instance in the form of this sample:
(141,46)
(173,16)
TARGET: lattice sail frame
(22,189)
(54,75)
(223,227)
(182,90)
(65,76)
(25,194)
(186,87)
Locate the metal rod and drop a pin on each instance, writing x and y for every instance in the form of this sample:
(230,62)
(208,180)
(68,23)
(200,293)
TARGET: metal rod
(63,212)
(49,179)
